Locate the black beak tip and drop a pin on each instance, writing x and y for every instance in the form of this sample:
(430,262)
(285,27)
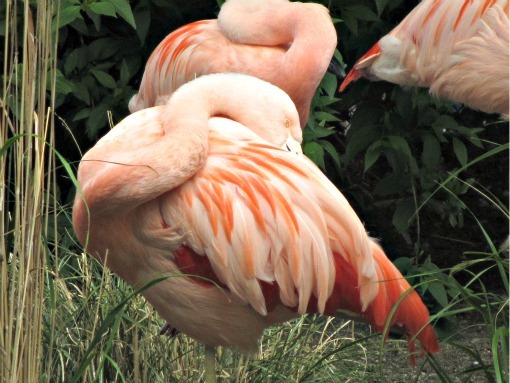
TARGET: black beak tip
(336,68)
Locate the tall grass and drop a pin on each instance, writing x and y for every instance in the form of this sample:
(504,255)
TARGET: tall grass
(474,297)
(26,179)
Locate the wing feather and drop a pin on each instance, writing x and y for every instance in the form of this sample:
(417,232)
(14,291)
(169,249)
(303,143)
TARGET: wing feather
(260,213)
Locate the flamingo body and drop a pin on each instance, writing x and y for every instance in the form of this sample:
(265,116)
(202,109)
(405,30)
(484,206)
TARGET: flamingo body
(287,44)
(260,233)
(457,48)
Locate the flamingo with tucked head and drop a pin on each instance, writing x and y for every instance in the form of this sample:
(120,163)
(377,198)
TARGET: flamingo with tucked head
(206,186)
(457,48)
(289,44)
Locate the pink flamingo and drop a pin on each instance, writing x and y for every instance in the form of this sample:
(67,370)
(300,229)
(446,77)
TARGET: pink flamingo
(206,186)
(457,48)
(287,44)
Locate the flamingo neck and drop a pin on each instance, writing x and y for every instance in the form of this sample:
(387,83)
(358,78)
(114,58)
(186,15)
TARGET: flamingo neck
(308,58)
(157,149)
(306,28)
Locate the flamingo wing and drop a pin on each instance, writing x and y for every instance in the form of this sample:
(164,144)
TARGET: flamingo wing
(267,221)
(249,216)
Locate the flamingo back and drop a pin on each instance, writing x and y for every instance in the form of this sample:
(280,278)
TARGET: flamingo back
(197,49)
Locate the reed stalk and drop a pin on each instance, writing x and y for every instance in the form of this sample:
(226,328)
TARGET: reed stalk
(26,181)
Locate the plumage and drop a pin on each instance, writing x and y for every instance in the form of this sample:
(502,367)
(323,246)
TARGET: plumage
(261,233)
(457,48)
(287,44)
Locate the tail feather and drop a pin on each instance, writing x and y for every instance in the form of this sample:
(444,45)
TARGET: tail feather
(396,304)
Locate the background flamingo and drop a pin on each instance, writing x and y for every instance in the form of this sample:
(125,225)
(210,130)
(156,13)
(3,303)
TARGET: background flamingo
(287,44)
(178,189)
(457,48)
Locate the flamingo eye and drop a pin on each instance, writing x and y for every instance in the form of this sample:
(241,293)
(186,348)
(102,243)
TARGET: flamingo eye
(287,123)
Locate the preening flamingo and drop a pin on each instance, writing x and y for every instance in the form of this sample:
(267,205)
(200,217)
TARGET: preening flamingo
(287,44)
(206,185)
(457,48)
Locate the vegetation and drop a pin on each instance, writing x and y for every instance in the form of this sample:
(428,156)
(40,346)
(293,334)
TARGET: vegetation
(436,170)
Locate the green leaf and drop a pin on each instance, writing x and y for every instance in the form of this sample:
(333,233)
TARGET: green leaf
(350,21)
(102,48)
(445,122)
(324,101)
(68,15)
(438,292)
(361,12)
(460,151)
(97,121)
(475,140)
(95,17)
(310,134)
(400,144)
(404,104)
(83,113)
(123,9)
(403,264)
(372,154)
(143,20)
(124,72)
(314,151)
(103,8)
(330,84)
(62,85)
(328,147)
(381,4)
(70,62)
(393,184)
(325,116)
(104,78)
(500,353)
(339,57)
(431,151)
(82,93)
(403,214)
(365,129)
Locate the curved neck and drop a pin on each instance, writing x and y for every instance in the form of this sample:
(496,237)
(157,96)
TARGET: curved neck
(150,152)
(305,27)
(155,150)
(310,54)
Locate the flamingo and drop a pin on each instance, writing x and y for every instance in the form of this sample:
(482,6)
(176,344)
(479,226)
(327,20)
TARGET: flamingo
(213,186)
(287,44)
(457,48)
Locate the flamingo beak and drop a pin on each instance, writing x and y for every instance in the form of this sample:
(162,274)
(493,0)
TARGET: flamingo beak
(293,146)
